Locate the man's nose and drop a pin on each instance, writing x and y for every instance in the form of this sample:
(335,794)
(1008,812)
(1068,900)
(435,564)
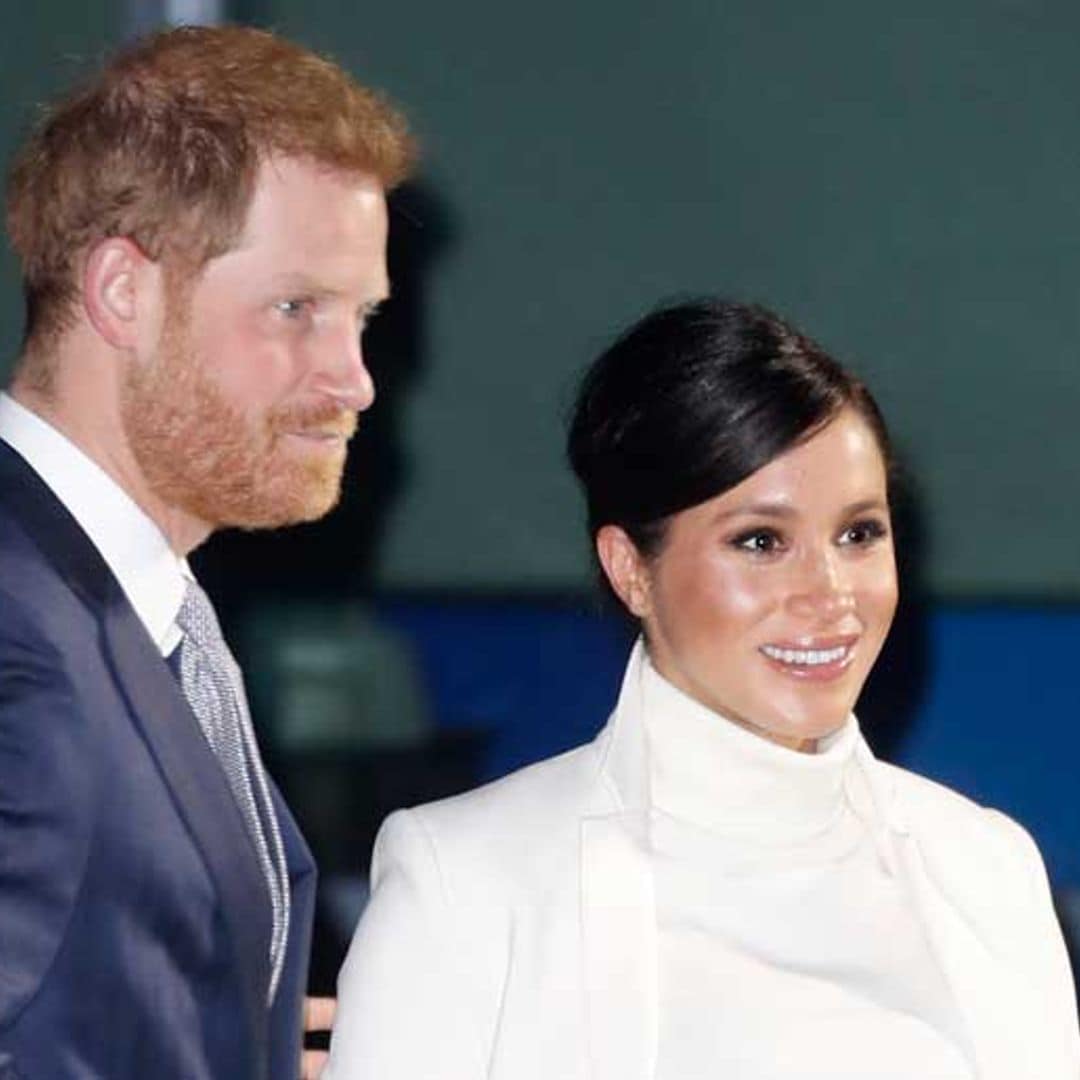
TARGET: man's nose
(343,372)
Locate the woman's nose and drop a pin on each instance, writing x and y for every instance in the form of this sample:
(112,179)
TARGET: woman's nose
(822,589)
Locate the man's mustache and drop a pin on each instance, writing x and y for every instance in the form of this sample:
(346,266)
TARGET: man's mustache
(323,418)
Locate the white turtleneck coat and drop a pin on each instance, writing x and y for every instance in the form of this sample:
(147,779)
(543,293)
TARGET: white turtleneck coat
(681,899)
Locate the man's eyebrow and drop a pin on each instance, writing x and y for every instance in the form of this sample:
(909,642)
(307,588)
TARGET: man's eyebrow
(298,281)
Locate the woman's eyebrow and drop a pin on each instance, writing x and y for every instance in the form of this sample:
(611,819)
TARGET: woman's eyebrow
(758,509)
(785,511)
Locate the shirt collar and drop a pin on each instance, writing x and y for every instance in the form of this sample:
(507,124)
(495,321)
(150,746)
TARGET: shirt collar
(711,772)
(151,574)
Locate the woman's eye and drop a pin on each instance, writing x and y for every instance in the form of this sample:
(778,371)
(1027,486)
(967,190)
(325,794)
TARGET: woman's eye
(291,308)
(863,533)
(758,542)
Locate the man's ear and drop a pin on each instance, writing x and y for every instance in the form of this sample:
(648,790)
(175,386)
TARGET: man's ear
(625,568)
(120,290)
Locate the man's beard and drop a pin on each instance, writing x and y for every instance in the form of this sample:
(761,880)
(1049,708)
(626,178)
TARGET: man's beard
(203,455)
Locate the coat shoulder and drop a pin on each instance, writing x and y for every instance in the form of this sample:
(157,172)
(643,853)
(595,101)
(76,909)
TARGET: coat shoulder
(955,822)
(515,832)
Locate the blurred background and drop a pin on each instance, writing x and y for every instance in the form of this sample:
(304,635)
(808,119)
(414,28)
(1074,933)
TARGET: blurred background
(902,182)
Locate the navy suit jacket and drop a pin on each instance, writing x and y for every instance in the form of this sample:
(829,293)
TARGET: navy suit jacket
(134,918)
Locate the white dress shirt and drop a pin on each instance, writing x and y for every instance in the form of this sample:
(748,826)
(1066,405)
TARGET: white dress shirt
(151,574)
(787,945)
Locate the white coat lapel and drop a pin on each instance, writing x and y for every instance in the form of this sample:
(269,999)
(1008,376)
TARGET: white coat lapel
(1007,1035)
(619,948)
(618,907)
(976,977)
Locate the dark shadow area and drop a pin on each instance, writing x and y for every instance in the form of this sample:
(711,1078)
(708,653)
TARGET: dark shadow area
(332,559)
(1067,904)
(899,680)
(341,781)
(343,798)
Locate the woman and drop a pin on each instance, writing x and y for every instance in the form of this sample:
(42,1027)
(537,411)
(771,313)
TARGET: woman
(725,883)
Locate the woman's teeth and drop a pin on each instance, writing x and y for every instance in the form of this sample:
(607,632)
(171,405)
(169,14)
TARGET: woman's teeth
(807,657)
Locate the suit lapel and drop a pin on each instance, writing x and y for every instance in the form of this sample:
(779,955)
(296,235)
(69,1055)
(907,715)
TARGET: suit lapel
(619,948)
(31,503)
(160,713)
(201,792)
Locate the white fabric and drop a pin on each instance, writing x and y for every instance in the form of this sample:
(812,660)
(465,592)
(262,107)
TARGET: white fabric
(151,574)
(512,932)
(780,929)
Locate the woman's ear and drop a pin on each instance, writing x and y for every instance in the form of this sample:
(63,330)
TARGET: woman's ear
(625,568)
(116,279)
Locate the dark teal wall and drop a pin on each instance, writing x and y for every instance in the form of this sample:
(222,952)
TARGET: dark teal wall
(46,47)
(904,184)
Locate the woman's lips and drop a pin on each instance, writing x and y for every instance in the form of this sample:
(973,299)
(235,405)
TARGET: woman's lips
(817,661)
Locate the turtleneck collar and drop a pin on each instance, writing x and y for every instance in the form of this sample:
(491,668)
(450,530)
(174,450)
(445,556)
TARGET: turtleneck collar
(708,771)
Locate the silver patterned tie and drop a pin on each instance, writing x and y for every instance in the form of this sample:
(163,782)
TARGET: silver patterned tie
(214,687)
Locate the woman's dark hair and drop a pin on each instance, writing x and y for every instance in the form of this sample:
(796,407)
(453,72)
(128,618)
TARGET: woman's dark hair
(693,399)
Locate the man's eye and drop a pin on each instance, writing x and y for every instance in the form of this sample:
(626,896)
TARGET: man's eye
(368,312)
(758,542)
(291,308)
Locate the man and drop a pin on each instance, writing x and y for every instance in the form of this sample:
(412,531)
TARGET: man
(202,234)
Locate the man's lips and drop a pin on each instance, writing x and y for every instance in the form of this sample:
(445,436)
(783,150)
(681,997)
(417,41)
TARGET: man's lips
(817,660)
(326,423)
(322,430)
(316,443)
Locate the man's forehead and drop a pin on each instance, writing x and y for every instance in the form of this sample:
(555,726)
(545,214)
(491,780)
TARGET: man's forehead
(298,206)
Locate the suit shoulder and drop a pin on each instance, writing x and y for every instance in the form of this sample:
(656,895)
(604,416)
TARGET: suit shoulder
(26,575)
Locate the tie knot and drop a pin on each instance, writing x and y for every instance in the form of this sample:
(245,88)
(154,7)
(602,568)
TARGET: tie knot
(196,618)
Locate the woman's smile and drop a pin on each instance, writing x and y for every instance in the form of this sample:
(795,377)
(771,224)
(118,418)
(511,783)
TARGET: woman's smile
(770,602)
(821,660)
